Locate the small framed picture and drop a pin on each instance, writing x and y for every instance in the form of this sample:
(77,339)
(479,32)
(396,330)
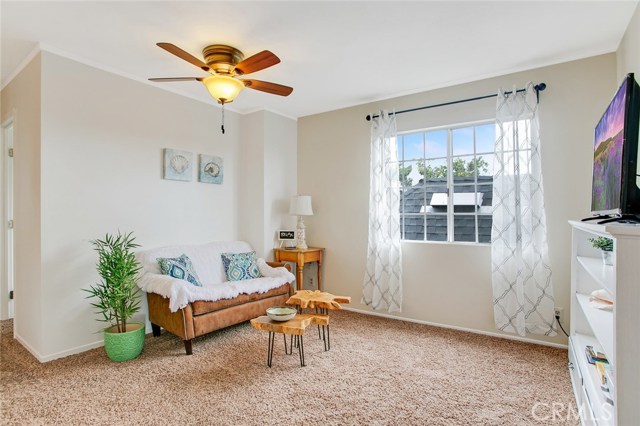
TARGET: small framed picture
(211,169)
(285,235)
(178,165)
(286,238)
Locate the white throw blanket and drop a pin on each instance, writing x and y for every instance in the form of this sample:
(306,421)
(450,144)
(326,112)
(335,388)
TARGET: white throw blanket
(181,292)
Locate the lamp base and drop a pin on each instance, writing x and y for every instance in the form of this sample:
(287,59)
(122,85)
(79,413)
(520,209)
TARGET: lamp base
(301,242)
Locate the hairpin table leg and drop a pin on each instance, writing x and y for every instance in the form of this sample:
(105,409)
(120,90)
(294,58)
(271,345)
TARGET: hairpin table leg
(270,349)
(301,350)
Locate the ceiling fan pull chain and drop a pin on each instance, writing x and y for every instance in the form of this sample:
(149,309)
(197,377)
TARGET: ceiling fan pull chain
(222,127)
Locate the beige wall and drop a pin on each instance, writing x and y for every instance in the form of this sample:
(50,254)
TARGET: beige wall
(251,204)
(268,178)
(450,284)
(21,101)
(628,55)
(280,182)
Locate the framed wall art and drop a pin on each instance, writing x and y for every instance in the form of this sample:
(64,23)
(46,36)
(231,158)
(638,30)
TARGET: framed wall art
(178,165)
(211,169)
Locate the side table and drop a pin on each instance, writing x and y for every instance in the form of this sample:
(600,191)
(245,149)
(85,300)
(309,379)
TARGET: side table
(300,257)
(322,302)
(294,327)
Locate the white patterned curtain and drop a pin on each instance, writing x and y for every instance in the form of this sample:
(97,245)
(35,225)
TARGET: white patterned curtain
(521,276)
(382,288)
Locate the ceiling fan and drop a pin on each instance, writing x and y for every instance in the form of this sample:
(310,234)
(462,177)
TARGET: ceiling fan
(226,64)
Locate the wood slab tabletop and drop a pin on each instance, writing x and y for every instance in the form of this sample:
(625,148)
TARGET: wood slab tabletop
(295,325)
(316,298)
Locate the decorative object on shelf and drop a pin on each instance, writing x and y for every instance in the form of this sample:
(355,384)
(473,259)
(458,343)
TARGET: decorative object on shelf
(287,238)
(600,299)
(301,206)
(210,169)
(606,246)
(117,295)
(178,165)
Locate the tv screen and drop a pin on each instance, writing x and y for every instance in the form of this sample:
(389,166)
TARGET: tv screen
(614,186)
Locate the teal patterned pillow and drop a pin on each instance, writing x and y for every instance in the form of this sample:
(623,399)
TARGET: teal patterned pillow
(240,266)
(179,267)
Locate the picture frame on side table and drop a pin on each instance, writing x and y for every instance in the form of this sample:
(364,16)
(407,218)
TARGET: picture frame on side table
(287,238)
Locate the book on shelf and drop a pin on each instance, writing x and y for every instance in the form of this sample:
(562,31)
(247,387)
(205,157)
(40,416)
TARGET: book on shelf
(593,356)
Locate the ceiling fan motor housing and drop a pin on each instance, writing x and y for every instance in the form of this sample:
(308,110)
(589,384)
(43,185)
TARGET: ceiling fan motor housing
(222,58)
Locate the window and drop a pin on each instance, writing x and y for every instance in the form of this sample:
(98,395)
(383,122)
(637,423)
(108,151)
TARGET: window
(446,177)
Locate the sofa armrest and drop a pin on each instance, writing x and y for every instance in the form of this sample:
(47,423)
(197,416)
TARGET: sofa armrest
(150,282)
(179,323)
(278,264)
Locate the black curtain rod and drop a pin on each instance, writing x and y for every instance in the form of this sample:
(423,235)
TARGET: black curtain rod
(539,88)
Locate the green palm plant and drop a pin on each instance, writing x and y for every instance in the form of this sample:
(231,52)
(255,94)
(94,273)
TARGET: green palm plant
(117,292)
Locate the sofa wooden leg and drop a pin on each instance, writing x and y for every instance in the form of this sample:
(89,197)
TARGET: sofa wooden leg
(187,346)
(155,329)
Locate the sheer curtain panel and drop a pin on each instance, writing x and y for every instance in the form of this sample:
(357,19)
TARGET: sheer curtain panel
(521,276)
(382,287)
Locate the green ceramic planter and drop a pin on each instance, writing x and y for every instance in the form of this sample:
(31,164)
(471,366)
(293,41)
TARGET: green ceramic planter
(124,346)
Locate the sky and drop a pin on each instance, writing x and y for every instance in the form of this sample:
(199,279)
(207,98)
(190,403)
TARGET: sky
(432,144)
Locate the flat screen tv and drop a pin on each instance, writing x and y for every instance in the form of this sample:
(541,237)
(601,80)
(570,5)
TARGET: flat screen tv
(616,185)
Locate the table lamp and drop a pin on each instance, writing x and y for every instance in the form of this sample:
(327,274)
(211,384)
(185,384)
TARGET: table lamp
(301,206)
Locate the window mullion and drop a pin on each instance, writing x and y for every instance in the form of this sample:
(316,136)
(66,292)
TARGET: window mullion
(450,230)
(475,185)
(424,186)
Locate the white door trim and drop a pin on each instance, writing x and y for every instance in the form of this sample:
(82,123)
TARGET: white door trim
(7,246)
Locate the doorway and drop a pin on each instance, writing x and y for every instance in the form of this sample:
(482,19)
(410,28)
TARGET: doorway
(7,246)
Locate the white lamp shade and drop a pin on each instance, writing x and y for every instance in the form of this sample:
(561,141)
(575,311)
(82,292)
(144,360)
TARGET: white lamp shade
(301,205)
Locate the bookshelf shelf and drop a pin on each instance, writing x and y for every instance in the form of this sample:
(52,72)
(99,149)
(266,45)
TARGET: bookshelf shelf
(600,322)
(590,380)
(603,274)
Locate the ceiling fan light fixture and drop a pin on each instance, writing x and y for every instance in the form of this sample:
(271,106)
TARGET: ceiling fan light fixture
(223,88)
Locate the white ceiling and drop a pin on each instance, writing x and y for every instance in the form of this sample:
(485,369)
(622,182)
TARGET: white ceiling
(334,54)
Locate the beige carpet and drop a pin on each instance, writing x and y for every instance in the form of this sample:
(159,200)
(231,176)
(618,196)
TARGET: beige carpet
(378,372)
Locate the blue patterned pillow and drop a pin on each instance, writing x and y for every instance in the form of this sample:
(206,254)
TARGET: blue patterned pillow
(179,267)
(240,266)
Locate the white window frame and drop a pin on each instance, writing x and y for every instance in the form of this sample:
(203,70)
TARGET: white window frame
(450,214)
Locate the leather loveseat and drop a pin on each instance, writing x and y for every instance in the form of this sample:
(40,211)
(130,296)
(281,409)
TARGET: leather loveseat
(189,311)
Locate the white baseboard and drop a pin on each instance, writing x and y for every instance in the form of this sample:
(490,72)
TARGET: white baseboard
(46,358)
(453,327)
(78,349)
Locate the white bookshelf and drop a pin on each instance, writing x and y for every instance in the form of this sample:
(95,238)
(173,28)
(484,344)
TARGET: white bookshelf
(615,333)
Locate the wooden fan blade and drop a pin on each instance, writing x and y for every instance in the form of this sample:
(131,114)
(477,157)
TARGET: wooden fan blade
(175,50)
(265,86)
(167,79)
(257,62)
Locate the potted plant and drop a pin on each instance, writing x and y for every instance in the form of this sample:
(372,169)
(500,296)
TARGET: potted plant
(606,246)
(117,295)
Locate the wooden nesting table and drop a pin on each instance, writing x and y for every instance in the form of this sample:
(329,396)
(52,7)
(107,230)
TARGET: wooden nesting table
(322,302)
(293,327)
(304,299)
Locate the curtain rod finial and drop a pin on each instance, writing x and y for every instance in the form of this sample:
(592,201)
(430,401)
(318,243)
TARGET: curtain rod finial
(540,87)
(368,117)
